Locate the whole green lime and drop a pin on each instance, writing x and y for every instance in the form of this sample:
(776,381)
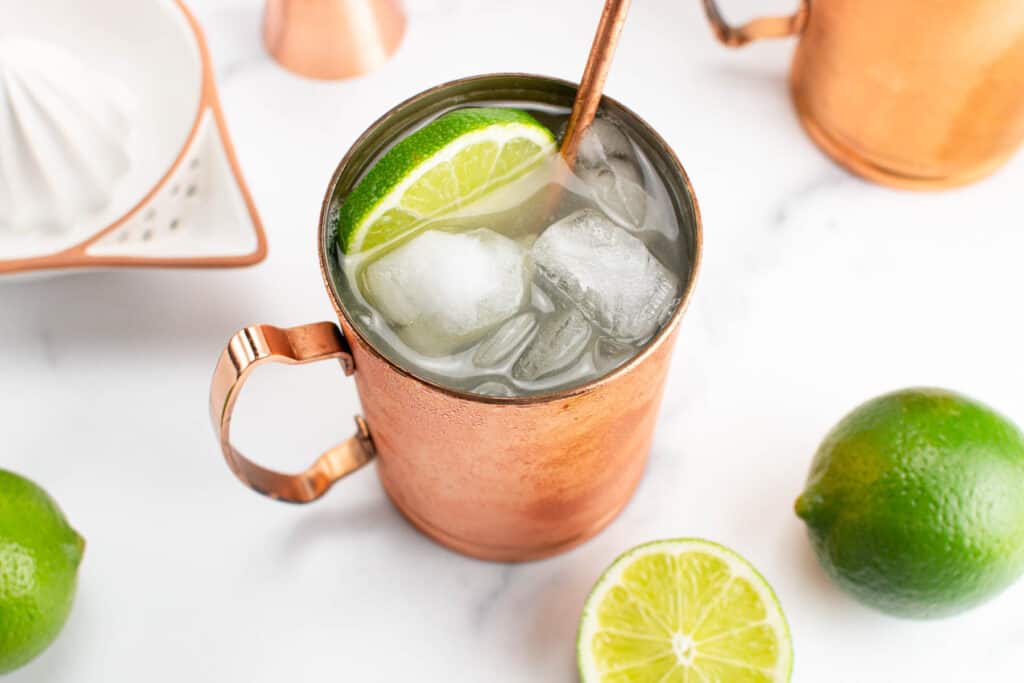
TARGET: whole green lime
(915,503)
(39,557)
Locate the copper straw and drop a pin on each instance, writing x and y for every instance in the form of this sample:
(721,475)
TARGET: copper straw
(594,76)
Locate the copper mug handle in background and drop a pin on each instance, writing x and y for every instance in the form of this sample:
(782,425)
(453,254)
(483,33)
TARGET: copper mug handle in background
(260,344)
(765,27)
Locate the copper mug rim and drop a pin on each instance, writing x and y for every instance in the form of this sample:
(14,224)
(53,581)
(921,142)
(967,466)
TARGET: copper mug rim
(324,244)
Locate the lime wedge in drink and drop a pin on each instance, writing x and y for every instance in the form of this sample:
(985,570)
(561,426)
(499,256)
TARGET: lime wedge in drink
(683,611)
(452,161)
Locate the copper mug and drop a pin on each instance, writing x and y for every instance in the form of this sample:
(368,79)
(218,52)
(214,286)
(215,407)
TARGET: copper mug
(922,94)
(505,479)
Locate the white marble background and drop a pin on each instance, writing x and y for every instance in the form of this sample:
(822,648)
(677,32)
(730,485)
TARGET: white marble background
(818,291)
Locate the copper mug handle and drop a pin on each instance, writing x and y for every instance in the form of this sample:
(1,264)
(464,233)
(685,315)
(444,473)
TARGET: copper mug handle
(260,344)
(765,27)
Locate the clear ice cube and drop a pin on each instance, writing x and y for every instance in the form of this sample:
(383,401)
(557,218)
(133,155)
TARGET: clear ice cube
(607,163)
(608,273)
(560,341)
(504,340)
(540,300)
(610,354)
(443,291)
(493,388)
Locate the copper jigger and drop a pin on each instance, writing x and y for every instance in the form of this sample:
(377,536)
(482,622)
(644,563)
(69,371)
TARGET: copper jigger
(332,39)
(916,93)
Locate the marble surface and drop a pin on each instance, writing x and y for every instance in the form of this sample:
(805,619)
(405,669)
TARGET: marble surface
(818,291)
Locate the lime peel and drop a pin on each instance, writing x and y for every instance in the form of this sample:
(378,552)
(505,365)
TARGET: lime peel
(39,558)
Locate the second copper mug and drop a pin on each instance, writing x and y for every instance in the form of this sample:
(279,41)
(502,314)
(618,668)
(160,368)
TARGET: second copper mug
(923,94)
(497,478)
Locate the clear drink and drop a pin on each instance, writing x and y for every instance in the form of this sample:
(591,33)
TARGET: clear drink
(548,282)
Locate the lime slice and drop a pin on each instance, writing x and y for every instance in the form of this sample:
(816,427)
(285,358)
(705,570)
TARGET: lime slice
(448,163)
(683,611)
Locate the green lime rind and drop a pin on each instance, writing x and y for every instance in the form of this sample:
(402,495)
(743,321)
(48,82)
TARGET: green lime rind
(915,503)
(739,565)
(39,558)
(409,157)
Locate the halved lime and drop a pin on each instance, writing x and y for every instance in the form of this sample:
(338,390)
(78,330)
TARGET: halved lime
(683,611)
(448,163)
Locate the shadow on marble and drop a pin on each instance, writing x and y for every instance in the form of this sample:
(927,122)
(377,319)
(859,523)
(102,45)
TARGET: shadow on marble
(338,523)
(235,35)
(752,80)
(130,313)
(809,574)
(761,94)
(550,630)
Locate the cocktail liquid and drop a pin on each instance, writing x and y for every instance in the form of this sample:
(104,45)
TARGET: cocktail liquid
(545,288)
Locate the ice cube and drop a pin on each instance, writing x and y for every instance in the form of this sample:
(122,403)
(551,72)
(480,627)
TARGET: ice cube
(607,163)
(608,273)
(610,354)
(443,291)
(493,388)
(504,340)
(540,300)
(560,341)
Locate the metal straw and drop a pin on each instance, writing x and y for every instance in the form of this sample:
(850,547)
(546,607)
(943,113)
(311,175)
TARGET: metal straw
(594,76)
